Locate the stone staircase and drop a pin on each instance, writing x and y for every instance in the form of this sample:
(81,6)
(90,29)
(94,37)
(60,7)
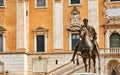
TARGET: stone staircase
(86,74)
(67,69)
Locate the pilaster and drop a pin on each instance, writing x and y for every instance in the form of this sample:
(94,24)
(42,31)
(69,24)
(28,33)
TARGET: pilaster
(93,15)
(22,25)
(58,24)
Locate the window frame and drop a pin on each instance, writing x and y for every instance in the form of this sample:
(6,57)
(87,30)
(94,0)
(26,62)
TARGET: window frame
(70,39)
(80,4)
(113,1)
(45,41)
(76,35)
(38,37)
(3,40)
(111,38)
(46,5)
(4,3)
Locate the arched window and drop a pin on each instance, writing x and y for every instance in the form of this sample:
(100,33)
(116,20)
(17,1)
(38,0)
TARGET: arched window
(115,40)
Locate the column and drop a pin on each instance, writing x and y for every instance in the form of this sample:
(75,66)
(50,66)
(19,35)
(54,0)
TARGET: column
(21,28)
(107,36)
(58,24)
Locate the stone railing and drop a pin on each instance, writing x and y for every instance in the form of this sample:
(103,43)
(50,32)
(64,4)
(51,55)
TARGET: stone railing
(64,68)
(110,50)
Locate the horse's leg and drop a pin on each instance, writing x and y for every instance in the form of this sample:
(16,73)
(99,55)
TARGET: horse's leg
(94,63)
(84,61)
(77,60)
(75,51)
(89,61)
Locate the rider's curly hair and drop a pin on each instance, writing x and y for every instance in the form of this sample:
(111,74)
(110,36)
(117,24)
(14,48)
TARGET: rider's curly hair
(85,19)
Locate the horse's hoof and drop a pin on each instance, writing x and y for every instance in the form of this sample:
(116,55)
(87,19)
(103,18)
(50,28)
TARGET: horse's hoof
(88,71)
(94,71)
(73,61)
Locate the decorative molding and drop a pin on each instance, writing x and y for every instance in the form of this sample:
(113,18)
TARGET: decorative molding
(73,28)
(114,6)
(75,16)
(58,1)
(20,1)
(22,50)
(114,31)
(2,28)
(40,29)
(112,22)
(105,10)
(74,20)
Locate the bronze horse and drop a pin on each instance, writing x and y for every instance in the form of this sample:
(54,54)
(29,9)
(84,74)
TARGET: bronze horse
(87,49)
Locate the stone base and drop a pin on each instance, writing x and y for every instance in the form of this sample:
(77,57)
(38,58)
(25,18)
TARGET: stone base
(86,74)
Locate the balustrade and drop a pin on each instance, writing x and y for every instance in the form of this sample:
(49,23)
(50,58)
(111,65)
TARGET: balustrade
(110,50)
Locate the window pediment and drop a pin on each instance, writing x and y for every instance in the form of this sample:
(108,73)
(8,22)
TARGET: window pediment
(2,28)
(40,29)
(112,21)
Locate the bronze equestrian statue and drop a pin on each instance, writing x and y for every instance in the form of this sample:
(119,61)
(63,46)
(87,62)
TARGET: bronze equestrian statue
(87,46)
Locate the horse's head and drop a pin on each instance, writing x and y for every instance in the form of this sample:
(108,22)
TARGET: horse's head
(83,31)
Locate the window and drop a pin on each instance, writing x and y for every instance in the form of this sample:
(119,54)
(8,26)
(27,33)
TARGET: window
(1,2)
(40,43)
(74,2)
(1,43)
(75,38)
(40,39)
(114,0)
(41,3)
(115,40)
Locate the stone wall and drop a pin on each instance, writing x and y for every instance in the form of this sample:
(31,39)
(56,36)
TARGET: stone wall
(54,60)
(23,64)
(15,64)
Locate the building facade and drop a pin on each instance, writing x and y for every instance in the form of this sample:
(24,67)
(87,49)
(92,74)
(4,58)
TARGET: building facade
(35,36)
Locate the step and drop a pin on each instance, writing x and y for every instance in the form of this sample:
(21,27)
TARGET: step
(86,74)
